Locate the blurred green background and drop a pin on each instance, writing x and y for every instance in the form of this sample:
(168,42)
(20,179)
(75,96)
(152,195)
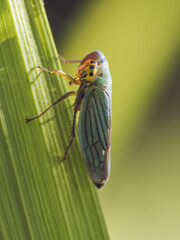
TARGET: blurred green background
(141,40)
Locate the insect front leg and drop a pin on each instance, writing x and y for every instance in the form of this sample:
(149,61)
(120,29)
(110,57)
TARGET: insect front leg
(69,61)
(65,75)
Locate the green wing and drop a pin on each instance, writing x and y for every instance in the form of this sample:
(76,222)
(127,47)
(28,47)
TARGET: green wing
(94,133)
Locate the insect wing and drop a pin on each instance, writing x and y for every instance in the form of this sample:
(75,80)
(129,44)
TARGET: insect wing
(94,133)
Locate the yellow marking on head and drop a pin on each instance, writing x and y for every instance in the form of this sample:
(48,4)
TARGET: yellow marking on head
(89,67)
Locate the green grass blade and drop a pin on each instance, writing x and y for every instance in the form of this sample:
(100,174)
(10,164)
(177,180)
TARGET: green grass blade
(41,198)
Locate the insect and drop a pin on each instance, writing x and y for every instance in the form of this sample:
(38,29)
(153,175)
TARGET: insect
(93,100)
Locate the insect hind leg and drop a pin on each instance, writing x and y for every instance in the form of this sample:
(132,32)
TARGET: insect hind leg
(72,133)
(68,148)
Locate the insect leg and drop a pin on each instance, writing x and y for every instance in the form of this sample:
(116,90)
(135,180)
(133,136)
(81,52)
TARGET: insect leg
(72,134)
(59,100)
(65,75)
(69,61)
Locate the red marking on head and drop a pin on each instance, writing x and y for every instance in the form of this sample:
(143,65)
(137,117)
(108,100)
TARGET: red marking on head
(95,56)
